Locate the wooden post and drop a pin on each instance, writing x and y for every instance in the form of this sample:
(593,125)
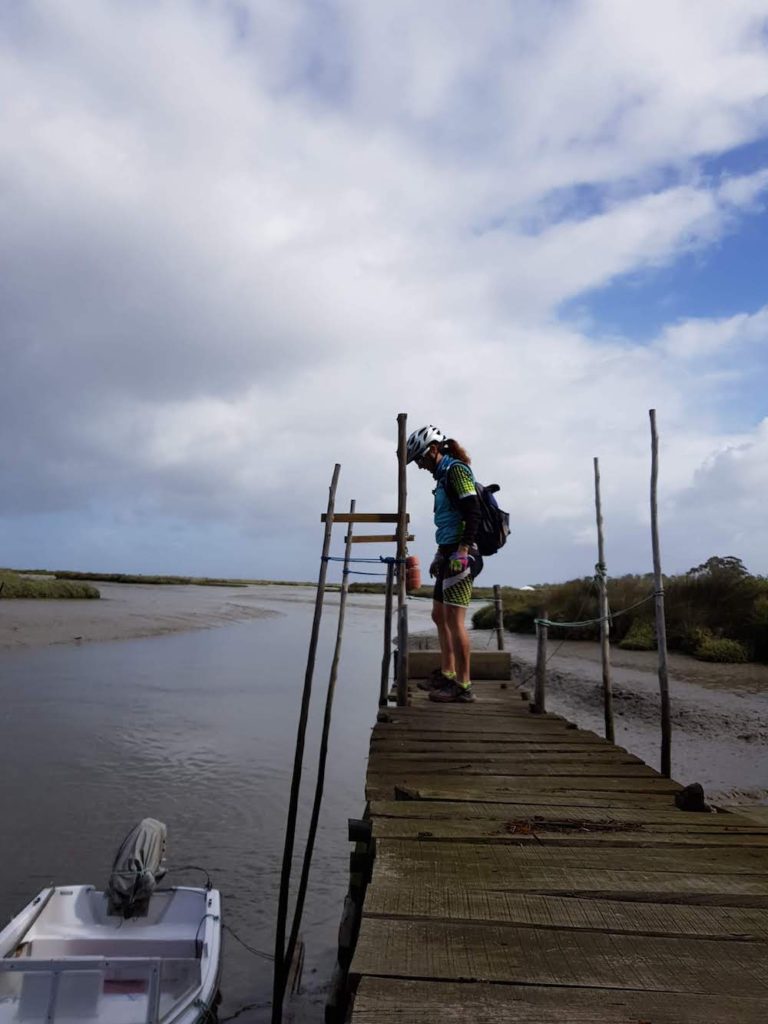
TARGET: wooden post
(540,690)
(402,534)
(499,616)
(293,937)
(386,657)
(605,625)
(661,625)
(278,988)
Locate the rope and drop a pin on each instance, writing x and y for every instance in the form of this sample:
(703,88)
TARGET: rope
(593,622)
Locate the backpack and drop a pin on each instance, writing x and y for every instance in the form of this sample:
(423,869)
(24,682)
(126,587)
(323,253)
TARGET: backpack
(493,527)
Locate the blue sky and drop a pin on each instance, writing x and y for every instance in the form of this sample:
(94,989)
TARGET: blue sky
(238,238)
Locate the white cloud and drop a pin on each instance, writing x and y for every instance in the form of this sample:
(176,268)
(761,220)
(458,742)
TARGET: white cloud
(237,241)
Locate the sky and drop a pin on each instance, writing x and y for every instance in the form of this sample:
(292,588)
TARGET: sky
(238,238)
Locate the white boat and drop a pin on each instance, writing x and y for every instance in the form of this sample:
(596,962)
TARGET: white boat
(69,958)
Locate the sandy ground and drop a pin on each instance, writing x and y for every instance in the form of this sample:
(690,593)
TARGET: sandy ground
(719,712)
(125,611)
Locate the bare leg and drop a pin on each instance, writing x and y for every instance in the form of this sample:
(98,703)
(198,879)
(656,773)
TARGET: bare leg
(447,659)
(455,626)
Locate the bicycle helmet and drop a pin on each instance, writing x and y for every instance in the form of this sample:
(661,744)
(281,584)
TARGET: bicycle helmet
(420,440)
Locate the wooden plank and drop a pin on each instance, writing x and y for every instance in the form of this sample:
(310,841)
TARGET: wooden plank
(715,889)
(533,956)
(604,802)
(384,768)
(511,747)
(483,830)
(489,753)
(363,517)
(541,812)
(449,902)
(405,860)
(384,1000)
(469,727)
(492,787)
(376,538)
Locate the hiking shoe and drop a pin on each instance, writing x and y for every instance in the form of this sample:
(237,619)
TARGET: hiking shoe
(435,681)
(453,693)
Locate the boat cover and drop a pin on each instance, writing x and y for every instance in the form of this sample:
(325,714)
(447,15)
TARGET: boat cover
(137,868)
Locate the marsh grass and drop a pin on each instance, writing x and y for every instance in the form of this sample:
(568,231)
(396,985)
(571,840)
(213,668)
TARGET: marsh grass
(16,585)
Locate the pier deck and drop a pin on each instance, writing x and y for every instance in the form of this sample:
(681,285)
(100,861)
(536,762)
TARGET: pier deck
(526,870)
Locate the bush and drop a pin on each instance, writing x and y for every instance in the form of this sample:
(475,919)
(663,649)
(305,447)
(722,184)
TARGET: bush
(14,586)
(723,650)
(641,637)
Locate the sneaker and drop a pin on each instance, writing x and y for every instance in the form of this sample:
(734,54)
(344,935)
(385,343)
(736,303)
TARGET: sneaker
(453,693)
(435,681)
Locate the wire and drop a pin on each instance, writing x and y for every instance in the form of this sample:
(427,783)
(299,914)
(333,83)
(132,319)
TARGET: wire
(244,944)
(194,867)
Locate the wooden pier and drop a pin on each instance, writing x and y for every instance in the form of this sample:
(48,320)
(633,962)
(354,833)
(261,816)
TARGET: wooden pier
(523,870)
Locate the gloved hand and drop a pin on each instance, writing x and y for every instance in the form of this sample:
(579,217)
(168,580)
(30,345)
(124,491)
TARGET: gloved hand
(437,562)
(458,562)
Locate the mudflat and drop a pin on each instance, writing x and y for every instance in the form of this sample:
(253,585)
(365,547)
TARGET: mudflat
(126,611)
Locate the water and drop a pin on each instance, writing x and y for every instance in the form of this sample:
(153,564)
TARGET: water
(197,729)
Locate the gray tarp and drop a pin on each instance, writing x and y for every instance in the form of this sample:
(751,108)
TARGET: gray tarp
(137,869)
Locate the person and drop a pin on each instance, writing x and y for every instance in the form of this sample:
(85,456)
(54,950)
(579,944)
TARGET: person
(457,561)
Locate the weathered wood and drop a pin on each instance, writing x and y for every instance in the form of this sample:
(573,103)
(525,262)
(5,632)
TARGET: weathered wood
(362,517)
(377,538)
(532,956)
(539,705)
(491,787)
(499,613)
(455,903)
(542,811)
(384,1000)
(484,830)
(605,625)
(386,657)
(402,550)
(502,755)
(661,624)
(383,768)
(515,849)
(403,859)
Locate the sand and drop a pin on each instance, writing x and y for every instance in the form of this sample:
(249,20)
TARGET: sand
(126,611)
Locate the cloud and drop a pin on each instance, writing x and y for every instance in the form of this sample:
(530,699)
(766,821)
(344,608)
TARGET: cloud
(237,239)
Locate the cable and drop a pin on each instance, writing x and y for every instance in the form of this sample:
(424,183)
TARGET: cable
(194,867)
(251,949)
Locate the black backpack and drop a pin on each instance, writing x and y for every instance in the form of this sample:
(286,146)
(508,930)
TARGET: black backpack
(493,527)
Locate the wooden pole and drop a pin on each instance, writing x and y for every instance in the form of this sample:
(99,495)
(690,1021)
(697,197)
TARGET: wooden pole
(323,755)
(661,625)
(290,829)
(386,657)
(605,625)
(499,616)
(402,534)
(540,690)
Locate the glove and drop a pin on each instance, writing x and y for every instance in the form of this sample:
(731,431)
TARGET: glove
(436,565)
(459,562)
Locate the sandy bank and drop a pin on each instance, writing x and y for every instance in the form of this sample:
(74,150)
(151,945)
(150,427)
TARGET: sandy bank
(126,611)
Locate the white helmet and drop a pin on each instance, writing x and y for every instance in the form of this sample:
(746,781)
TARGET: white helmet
(421,439)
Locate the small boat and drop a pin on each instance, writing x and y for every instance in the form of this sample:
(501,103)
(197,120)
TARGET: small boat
(132,954)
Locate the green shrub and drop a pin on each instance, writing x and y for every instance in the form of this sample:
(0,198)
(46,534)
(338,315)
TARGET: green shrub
(723,650)
(14,586)
(640,637)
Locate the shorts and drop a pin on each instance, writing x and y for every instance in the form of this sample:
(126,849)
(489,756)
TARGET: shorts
(456,590)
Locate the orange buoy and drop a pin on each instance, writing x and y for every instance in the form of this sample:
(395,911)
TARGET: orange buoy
(412,573)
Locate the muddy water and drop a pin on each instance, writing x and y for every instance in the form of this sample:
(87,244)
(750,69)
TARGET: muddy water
(197,729)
